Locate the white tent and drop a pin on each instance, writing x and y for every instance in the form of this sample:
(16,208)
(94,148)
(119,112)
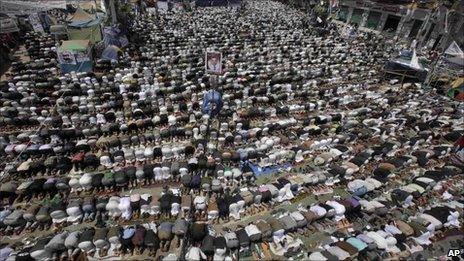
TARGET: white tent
(454,54)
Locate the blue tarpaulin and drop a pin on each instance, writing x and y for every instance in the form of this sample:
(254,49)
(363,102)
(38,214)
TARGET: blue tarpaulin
(406,54)
(114,36)
(259,171)
(111,53)
(212,103)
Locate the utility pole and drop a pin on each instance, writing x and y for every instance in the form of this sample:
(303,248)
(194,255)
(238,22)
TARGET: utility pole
(109,5)
(424,29)
(431,73)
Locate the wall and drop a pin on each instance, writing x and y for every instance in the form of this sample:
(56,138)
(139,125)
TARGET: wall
(427,34)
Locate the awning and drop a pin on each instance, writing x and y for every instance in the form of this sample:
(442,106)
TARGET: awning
(74,45)
(58,29)
(8,25)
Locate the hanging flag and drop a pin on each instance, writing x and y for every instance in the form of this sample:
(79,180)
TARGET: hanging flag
(446,21)
(410,13)
(415,60)
(35,22)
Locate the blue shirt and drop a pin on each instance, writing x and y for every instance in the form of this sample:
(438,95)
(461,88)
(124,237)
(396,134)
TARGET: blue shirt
(128,233)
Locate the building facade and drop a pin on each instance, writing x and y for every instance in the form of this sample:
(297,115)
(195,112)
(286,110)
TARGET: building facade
(433,28)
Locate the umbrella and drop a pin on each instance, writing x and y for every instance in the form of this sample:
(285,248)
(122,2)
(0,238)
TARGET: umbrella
(111,53)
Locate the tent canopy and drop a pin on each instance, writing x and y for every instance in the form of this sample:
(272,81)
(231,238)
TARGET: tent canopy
(454,50)
(111,53)
(75,45)
(454,54)
(92,5)
(58,29)
(81,17)
(85,26)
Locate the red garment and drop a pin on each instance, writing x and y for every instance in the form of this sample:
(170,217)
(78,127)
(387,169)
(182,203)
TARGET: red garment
(460,96)
(138,237)
(460,142)
(78,157)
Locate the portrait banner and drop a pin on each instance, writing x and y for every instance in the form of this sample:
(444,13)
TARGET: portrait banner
(82,57)
(163,7)
(213,62)
(66,57)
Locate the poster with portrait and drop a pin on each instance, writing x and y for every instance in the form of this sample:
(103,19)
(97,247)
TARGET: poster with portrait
(66,57)
(82,57)
(162,6)
(213,62)
(34,20)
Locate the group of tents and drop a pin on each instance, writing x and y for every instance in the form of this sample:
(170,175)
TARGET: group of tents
(409,65)
(83,31)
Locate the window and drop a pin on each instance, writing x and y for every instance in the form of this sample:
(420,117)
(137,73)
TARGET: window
(357,16)
(373,20)
(392,23)
(415,28)
(343,13)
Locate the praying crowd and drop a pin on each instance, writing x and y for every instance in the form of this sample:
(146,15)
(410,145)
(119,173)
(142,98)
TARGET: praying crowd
(312,155)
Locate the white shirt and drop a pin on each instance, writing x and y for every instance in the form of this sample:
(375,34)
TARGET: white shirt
(199,202)
(195,254)
(124,206)
(122,88)
(158,173)
(140,154)
(183,171)
(148,152)
(100,118)
(318,210)
(252,230)
(339,208)
(166,172)
(142,95)
(392,230)
(175,208)
(105,160)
